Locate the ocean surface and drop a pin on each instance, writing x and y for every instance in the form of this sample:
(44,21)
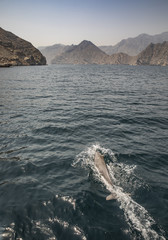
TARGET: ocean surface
(52,120)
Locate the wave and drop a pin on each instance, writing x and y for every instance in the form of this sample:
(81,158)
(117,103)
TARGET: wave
(136,216)
(52,227)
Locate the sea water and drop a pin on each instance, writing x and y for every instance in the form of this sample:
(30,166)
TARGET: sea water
(52,120)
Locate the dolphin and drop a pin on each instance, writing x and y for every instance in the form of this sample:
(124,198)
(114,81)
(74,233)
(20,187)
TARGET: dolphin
(102,168)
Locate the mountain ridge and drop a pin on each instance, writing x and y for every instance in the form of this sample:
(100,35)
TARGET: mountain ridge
(15,51)
(133,46)
(88,53)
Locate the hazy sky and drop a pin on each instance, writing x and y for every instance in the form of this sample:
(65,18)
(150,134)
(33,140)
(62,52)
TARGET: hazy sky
(104,22)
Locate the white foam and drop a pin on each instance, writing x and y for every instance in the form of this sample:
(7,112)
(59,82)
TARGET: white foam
(85,158)
(136,215)
(129,169)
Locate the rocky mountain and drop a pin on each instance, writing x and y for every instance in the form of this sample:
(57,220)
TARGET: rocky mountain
(130,46)
(154,54)
(15,51)
(87,53)
(53,51)
(122,58)
(84,53)
(133,46)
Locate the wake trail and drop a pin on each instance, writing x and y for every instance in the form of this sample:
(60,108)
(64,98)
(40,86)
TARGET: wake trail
(135,215)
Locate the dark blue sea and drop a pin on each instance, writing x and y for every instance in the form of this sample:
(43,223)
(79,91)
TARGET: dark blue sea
(52,120)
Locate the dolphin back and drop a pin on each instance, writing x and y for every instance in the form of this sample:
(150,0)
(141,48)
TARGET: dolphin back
(102,168)
(111,197)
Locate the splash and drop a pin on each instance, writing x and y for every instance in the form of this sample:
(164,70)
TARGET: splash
(85,158)
(136,215)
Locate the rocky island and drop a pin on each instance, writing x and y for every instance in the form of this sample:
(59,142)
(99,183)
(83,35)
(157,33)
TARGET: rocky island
(15,51)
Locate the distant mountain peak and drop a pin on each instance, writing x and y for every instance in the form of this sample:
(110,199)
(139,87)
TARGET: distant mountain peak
(133,46)
(83,53)
(85,43)
(125,52)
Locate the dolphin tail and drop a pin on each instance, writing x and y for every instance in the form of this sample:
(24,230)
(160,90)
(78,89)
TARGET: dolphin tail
(111,196)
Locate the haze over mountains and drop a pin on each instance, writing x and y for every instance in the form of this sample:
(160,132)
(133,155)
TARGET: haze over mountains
(15,51)
(59,53)
(51,52)
(133,46)
(87,53)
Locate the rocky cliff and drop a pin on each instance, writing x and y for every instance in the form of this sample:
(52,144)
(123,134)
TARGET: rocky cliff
(15,51)
(154,54)
(121,58)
